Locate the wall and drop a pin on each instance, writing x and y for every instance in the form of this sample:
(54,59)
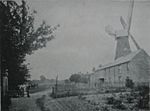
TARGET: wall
(117,75)
(138,69)
(113,76)
(94,78)
(142,67)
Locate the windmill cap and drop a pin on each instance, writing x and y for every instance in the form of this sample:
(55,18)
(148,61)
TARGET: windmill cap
(121,33)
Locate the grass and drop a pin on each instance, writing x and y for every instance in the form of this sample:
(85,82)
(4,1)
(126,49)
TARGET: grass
(40,103)
(68,104)
(39,89)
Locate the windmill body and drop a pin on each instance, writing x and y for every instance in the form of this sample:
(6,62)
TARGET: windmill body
(122,47)
(122,39)
(122,36)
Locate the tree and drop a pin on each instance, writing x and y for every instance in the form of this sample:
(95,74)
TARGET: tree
(84,79)
(75,78)
(78,78)
(67,81)
(43,78)
(19,37)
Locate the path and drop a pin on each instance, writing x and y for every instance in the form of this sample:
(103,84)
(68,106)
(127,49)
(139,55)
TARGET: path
(27,104)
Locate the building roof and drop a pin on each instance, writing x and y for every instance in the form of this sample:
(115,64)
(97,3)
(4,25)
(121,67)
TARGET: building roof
(121,60)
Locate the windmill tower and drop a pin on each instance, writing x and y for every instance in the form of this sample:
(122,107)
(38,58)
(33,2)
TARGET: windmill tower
(123,47)
(122,36)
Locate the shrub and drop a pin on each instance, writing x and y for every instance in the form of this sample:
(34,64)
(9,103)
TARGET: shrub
(40,103)
(110,100)
(105,108)
(119,105)
(130,98)
(129,83)
(143,100)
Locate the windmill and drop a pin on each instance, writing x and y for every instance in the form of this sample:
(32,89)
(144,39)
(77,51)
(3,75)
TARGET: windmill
(130,35)
(121,36)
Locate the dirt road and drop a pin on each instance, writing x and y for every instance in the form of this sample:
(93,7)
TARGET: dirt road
(41,101)
(27,104)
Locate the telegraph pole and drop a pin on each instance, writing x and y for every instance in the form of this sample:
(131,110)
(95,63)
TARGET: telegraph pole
(56,85)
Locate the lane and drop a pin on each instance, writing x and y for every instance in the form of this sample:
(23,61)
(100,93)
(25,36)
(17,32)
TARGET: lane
(27,104)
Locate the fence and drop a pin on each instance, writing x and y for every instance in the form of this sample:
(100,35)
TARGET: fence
(63,90)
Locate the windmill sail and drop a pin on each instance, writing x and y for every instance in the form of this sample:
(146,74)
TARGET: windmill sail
(123,46)
(110,31)
(124,26)
(136,44)
(123,22)
(129,19)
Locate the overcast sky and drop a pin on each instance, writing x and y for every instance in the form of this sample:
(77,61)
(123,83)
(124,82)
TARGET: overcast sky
(81,42)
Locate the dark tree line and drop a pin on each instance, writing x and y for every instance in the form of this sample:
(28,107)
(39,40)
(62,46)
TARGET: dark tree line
(79,78)
(19,38)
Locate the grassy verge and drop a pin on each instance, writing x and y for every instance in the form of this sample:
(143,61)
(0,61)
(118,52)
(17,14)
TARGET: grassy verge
(40,103)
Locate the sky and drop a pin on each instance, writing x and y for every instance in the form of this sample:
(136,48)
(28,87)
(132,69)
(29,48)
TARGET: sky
(81,42)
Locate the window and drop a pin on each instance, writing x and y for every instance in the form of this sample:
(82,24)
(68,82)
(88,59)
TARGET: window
(114,73)
(105,73)
(101,80)
(119,69)
(127,66)
(109,70)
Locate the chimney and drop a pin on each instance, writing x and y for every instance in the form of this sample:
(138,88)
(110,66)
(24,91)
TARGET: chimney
(123,47)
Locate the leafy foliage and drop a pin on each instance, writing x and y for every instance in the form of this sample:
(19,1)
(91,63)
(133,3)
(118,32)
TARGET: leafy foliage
(42,78)
(75,78)
(67,81)
(129,83)
(19,38)
(143,97)
(78,78)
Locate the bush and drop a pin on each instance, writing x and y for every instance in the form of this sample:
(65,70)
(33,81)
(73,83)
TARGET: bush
(129,83)
(110,100)
(130,98)
(40,103)
(105,108)
(143,100)
(119,105)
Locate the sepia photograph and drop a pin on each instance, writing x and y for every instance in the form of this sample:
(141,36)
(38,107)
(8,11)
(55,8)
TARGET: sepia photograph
(75,55)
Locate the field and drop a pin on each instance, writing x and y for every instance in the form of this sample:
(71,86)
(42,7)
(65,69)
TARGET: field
(94,102)
(64,104)
(42,101)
